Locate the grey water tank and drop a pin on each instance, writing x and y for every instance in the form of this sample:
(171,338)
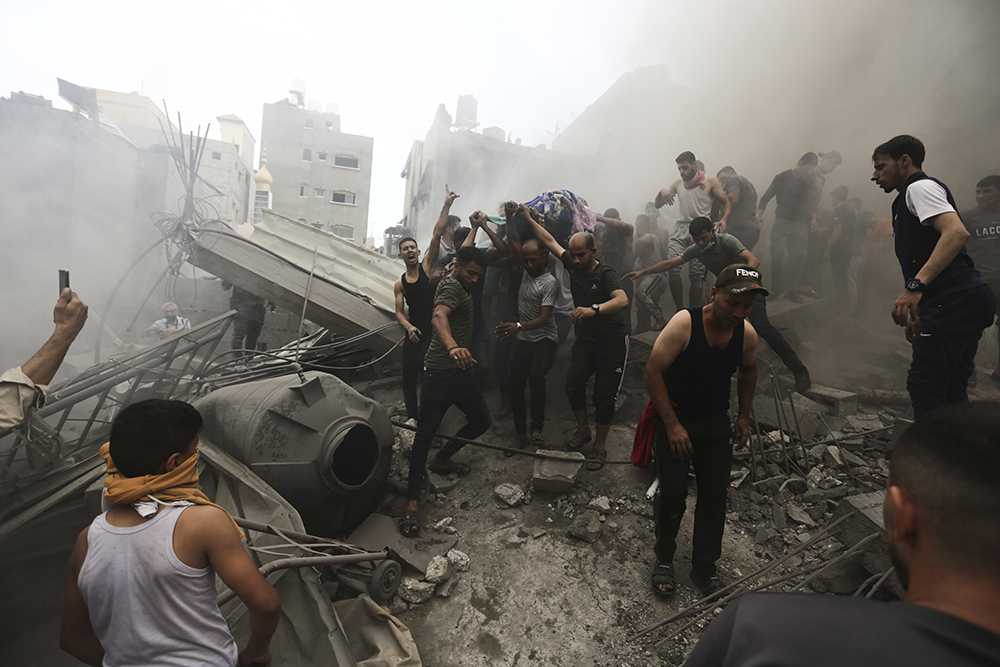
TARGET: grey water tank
(322,445)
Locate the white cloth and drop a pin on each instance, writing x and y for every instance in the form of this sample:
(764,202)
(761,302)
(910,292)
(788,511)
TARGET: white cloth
(18,394)
(926,198)
(145,605)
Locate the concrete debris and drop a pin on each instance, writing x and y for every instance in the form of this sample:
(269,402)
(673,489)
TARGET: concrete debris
(439,570)
(459,559)
(538,532)
(816,453)
(601,504)
(832,457)
(511,494)
(799,515)
(404,438)
(587,526)
(415,591)
(440,483)
(396,605)
(736,477)
(444,526)
(555,476)
(853,459)
(838,403)
(446,588)
(779,516)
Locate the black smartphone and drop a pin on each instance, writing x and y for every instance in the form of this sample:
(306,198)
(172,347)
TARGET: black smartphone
(63,280)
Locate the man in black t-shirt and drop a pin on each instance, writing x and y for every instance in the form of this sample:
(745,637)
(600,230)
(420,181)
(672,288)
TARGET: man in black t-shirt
(601,346)
(983,223)
(942,521)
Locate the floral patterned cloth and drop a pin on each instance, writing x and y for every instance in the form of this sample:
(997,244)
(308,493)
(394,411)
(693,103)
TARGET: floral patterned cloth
(565,213)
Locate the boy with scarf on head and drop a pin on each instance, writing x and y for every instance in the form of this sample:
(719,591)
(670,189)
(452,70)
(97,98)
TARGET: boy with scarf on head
(141,584)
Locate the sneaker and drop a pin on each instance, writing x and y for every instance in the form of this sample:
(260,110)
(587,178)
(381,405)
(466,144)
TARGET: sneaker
(802,381)
(710,585)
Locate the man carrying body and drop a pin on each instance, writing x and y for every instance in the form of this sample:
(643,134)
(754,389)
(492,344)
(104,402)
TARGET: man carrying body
(170,324)
(688,377)
(743,222)
(537,337)
(793,218)
(141,584)
(601,346)
(942,523)
(24,388)
(416,289)
(945,304)
(694,192)
(449,379)
(983,223)
(719,251)
(648,252)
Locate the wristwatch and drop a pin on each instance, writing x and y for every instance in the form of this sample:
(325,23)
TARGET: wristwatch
(914,285)
(519,327)
(597,308)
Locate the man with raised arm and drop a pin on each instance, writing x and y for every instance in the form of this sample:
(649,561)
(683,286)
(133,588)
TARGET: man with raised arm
(416,288)
(688,377)
(601,346)
(945,304)
(694,192)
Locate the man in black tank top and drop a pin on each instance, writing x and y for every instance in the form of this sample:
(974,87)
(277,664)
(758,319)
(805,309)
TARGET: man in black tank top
(416,288)
(688,379)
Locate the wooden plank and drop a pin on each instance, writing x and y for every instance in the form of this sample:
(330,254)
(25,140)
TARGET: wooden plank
(283,283)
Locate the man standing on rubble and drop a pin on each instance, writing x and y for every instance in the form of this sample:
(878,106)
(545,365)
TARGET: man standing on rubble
(601,346)
(942,524)
(416,288)
(449,379)
(718,251)
(694,192)
(688,377)
(945,304)
(983,223)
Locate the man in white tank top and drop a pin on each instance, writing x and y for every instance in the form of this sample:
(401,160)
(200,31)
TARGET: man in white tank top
(694,192)
(141,584)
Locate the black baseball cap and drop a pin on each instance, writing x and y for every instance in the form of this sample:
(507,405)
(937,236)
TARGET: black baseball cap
(740,278)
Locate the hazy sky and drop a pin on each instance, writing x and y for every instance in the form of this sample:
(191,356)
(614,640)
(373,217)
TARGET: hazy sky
(388,65)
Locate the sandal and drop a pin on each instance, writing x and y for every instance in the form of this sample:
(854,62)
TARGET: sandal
(448,466)
(578,440)
(519,443)
(601,455)
(409,524)
(663,575)
(537,438)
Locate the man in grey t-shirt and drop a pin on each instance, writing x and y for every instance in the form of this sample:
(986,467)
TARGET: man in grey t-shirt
(537,336)
(983,223)
(743,222)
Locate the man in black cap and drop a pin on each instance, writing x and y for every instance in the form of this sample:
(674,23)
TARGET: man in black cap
(688,378)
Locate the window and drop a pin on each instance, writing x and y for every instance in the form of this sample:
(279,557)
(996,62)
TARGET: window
(348,161)
(343,197)
(320,192)
(309,123)
(343,231)
(216,155)
(307,155)
(322,156)
(304,190)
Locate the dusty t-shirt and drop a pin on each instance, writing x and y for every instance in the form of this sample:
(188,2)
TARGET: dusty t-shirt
(724,252)
(744,215)
(535,294)
(984,244)
(451,293)
(593,287)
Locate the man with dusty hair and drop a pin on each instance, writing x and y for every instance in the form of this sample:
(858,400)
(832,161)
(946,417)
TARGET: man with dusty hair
(942,523)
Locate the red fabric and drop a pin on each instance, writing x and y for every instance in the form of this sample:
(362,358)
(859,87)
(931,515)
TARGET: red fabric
(699,180)
(642,445)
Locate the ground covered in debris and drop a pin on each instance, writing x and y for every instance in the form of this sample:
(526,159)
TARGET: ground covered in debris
(563,578)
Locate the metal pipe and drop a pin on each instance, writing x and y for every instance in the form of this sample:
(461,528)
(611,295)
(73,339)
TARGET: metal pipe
(798,430)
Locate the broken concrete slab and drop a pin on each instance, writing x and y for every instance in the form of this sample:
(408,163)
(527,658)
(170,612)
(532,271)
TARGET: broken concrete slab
(511,494)
(852,458)
(832,457)
(379,531)
(800,515)
(601,504)
(838,402)
(415,591)
(460,560)
(778,516)
(586,526)
(440,483)
(439,569)
(556,476)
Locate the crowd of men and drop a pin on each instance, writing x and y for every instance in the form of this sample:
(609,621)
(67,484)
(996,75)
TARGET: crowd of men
(942,504)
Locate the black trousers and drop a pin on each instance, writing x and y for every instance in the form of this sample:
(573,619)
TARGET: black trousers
(771,336)
(711,439)
(413,362)
(605,359)
(529,365)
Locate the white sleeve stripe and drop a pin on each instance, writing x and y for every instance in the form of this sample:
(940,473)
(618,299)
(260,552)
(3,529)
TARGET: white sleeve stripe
(926,199)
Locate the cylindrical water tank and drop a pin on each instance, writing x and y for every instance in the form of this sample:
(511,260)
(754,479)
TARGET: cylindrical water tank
(320,444)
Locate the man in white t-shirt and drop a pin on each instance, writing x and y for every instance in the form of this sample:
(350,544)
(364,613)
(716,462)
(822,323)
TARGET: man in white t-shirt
(945,304)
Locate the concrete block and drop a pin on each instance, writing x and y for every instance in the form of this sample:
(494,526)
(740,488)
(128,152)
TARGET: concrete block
(415,591)
(511,494)
(439,569)
(586,526)
(440,483)
(838,403)
(556,476)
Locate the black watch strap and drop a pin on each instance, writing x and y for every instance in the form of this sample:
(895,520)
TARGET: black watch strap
(914,285)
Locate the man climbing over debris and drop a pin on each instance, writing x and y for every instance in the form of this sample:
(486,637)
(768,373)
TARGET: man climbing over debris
(416,288)
(449,379)
(601,347)
(945,304)
(688,377)
(942,523)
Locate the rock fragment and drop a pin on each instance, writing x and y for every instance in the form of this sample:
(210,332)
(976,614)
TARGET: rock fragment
(414,591)
(439,570)
(459,559)
(587,526)
(509,493)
